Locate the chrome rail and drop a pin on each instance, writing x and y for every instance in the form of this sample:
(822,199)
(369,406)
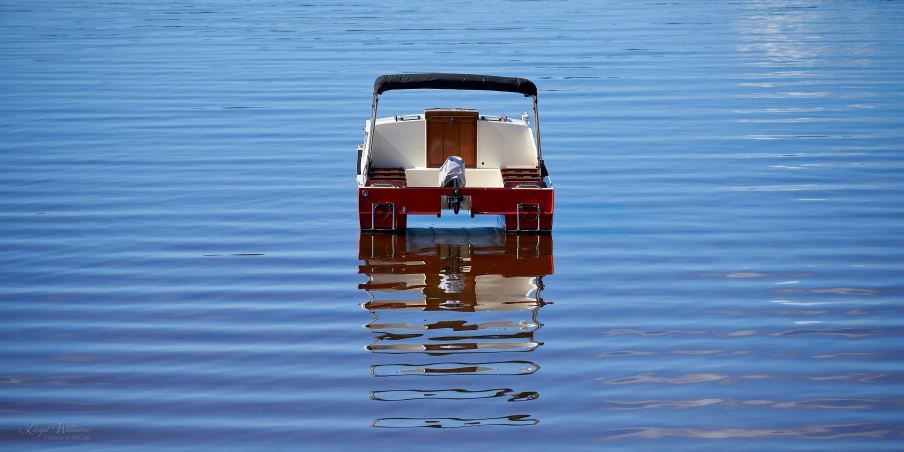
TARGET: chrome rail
(373,215)
(521,211)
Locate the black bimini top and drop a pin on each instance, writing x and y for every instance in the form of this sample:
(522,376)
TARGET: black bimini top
(455,81)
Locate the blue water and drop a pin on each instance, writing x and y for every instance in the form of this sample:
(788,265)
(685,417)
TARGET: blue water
(179,249)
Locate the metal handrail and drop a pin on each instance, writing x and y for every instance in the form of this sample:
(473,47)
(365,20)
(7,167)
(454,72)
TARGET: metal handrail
(521,207)
(384,184)
(537,128)
(373,215)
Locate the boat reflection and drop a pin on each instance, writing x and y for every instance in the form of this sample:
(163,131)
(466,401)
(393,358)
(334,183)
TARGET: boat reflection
(407,422)
(452,394)
(449,294)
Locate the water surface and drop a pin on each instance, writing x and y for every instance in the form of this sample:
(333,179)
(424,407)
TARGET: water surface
(180,263)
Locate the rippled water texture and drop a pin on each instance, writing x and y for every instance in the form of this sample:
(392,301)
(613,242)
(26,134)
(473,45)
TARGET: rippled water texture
(180,262)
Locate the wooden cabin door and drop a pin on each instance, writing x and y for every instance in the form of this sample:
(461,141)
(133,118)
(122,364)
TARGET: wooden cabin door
(451,132)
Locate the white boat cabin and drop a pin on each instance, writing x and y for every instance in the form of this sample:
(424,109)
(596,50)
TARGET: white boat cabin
(493,149)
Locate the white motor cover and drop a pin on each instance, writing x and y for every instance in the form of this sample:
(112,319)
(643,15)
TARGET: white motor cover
(453,168)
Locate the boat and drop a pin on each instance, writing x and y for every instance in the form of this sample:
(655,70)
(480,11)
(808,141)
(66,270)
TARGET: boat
(453,159)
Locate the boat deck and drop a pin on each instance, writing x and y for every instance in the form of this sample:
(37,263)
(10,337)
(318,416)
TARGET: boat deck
(399,177)
(394,176)
(522,177)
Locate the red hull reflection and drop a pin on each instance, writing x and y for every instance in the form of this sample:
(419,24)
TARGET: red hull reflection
(482,289)
(473,270)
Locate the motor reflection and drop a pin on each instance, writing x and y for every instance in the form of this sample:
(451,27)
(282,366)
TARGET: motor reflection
(437,296)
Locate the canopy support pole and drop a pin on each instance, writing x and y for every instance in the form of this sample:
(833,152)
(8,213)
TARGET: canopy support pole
(543,172)
(370,136)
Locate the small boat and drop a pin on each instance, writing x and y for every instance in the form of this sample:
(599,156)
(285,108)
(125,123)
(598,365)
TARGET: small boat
(453,159)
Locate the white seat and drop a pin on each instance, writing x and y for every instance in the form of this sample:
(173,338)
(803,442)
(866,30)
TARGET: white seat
(428,177)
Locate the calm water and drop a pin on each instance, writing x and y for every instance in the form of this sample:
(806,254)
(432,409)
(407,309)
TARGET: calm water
(180,263)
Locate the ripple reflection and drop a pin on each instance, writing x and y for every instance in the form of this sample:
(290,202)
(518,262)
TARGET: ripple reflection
(451,294)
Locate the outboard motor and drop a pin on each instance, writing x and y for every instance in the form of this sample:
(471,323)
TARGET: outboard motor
(452,174)
(453,168)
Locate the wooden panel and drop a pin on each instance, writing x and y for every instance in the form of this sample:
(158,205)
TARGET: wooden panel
(513,177)
(395,176)
(447,112)
(450,139)
(435,156)
(467,142)
(451,132)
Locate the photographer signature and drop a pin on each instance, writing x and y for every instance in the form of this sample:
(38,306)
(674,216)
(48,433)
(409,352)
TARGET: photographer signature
(37,430)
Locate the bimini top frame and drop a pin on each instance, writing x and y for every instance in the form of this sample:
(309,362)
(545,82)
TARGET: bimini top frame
(455,81)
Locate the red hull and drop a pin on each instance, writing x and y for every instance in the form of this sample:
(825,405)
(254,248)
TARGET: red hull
(387,208)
